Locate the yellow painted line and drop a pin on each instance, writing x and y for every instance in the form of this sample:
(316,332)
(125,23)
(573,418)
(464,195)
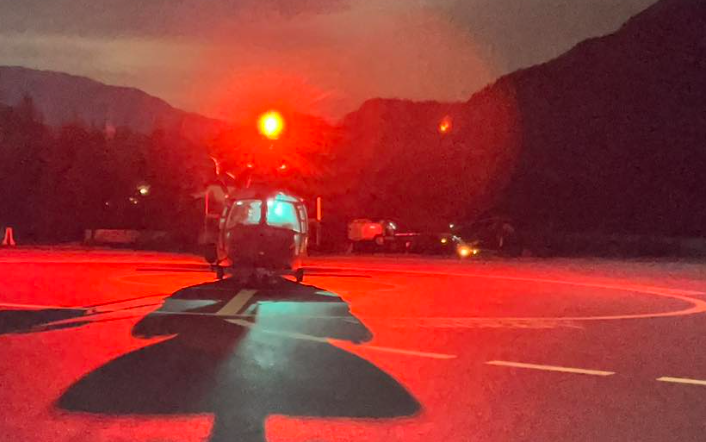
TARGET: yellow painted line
(551,368)
(681,380)
(234,306)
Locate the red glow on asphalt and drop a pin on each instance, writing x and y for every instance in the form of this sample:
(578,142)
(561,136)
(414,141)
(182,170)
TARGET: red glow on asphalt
(448,306)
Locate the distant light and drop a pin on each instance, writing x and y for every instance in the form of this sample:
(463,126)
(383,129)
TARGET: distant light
(283,167)
(134,200)
(476,251)
(444,240)
(250,165)
(271,124)
(464,251)
(445,125)
(144,189)
(451,226)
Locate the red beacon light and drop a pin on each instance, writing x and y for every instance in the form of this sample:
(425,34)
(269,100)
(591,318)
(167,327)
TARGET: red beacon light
(445,125)
(271,124)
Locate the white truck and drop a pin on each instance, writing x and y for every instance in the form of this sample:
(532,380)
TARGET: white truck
(367,235)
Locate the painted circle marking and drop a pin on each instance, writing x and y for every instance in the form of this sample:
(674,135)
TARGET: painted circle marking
(697,305)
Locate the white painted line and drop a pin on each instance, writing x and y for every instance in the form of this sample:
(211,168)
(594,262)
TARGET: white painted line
(423,354)
(107,307)
(551,368)
(233,306)
(681,380)
(305,337)
(9,305)
(697,305)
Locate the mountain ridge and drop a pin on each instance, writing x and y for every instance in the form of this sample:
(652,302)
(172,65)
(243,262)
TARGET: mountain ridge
(601,138)
(63,98)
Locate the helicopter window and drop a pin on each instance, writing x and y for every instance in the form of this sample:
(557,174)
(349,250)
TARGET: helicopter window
(282,214)
(245,212)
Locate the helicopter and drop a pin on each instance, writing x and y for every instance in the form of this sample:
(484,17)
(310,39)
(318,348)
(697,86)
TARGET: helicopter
(262,233)
(255,229)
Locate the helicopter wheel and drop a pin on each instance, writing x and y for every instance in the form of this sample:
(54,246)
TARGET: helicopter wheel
(219,273)
(299,275)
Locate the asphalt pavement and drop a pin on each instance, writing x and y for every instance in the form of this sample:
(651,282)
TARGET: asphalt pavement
(100,345)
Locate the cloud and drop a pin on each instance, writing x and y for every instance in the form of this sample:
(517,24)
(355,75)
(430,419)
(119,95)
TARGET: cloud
(348,57)
(148,17)
(520,33)
(326,63)
(159,66)
(221,57)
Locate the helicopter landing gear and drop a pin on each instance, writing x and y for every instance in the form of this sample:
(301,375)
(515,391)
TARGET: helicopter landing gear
(220,274)
(299,275)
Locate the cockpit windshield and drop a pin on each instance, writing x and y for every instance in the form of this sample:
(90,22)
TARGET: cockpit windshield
(282,214)
(245,212)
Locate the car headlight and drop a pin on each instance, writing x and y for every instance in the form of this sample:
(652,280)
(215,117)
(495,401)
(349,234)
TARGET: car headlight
(465,251)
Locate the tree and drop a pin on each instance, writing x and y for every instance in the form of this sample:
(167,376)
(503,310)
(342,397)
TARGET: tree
(23,139)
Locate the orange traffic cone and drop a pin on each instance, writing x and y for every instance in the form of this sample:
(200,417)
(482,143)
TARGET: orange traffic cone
(9,239)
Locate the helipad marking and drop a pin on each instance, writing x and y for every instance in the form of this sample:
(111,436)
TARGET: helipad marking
(40,306)
(551,368)
(697,305)
(105,307)
(423,354)
(681,380)
(234,306)
(305,337)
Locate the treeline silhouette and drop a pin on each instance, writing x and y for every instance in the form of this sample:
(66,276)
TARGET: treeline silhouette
(57,182)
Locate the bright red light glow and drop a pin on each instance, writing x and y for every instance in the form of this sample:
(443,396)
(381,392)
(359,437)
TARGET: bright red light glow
(445,125)
(271,124)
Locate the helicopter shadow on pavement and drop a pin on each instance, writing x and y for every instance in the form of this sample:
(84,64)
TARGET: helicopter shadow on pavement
(279,364)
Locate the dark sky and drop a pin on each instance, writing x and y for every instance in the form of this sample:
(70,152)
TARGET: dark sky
(227,57)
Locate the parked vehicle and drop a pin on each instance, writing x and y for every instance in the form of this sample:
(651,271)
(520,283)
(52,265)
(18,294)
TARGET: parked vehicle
(370,236)
(440,244)
(495,234)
